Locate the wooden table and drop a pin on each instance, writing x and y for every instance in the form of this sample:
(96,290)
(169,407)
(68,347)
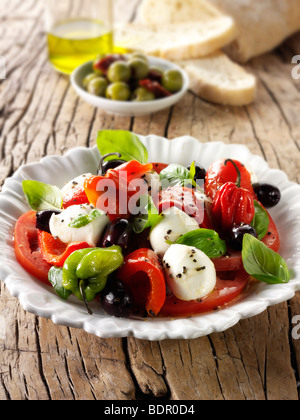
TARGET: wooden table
(41,115)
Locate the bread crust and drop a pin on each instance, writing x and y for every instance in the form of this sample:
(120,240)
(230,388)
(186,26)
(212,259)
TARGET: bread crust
(219,80)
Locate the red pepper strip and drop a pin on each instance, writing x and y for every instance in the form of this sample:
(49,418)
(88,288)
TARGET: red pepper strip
(232,205)
(55,252)
(119,188)
(155,75)
(156,88)
(143,274)
(75,197)
(158,166)
(104,63)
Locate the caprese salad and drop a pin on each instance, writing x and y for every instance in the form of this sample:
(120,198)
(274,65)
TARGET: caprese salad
(151,239)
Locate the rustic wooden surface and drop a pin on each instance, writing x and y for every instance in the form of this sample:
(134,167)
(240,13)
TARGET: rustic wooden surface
(40,115)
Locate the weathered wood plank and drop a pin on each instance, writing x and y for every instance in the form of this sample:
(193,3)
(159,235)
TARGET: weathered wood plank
(79,366)
(147,366)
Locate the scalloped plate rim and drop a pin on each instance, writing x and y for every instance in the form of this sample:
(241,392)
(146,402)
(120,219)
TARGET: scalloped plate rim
(109,327)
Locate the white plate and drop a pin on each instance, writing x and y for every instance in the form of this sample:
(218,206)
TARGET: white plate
(42,300)
(129,109)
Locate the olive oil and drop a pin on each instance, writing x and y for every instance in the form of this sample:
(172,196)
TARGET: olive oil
(74,42)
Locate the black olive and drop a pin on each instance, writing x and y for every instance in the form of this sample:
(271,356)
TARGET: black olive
(237,235)
(200,172)
(268,195)
(119,233)
(43,219)
(104,165)
(112,164)
(116,299)
(142,240)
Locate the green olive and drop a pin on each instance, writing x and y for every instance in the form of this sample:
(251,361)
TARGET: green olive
(139,68)
(118,91)
(119,71)
(142,95)
(87,79)
(97,86)
(141,56)
(172,80)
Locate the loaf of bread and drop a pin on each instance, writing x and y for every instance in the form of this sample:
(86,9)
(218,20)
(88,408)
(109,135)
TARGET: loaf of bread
(218,79)
(178,41)
(262,25)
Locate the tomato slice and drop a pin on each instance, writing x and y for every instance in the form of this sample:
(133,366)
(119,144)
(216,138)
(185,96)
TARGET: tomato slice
(230,262)
(186,200)
(27,249)
(225,292)
(272,239)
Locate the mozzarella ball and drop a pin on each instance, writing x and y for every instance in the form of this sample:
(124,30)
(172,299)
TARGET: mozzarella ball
(189,272)
(90,233)
(153,182)
(74,184)
(174,224)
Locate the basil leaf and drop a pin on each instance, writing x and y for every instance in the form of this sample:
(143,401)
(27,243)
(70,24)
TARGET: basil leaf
(124,142)
(208,241)
(263,263)
(148,217)
(42,196)
(84,220)
(261,221)
(55,278)
(176,175)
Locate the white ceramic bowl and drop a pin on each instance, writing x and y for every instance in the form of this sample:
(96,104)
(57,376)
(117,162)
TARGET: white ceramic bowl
(41,300)
(129,109)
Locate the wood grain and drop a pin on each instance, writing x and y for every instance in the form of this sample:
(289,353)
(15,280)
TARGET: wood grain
(40,115)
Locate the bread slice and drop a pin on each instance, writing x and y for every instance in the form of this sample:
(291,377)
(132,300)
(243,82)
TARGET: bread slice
(162,12)
(218,79)
(178,41)
(261,25)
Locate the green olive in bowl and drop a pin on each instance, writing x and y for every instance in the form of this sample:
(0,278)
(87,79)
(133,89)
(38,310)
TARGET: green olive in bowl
(139,68)
(88,79)
(97,86)
(140,56)
(142,95)
(119,71)
(172,80)
(118,91)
